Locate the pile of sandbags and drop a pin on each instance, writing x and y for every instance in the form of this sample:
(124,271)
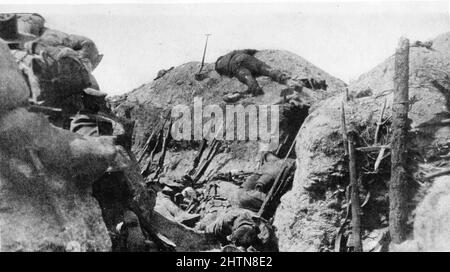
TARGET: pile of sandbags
(46,174)
(13,88)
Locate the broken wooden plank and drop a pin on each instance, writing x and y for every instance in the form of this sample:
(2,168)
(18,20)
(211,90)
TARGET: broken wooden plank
(372,148)
(379,159)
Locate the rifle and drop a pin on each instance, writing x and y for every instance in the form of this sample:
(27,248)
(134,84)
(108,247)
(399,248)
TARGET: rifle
(163,152)
(44,109)
(278,187)
(146,146)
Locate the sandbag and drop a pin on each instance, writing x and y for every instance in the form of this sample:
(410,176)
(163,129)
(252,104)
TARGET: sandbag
(30,23)
(14,90)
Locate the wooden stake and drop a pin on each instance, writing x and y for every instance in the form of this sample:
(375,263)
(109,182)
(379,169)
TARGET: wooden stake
(397,186)
(356,214)
(344,129)
(349,150)
(380,122)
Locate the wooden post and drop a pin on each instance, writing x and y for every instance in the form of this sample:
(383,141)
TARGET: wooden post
(356,214)
(397,186)
(349,148)
(344,129)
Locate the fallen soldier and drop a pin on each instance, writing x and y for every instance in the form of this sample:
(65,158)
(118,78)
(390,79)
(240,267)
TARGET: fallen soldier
(242,228)
(243,65)
(170,210)
(263,181)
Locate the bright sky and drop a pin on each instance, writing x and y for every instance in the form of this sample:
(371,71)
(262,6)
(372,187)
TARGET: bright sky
(345,39)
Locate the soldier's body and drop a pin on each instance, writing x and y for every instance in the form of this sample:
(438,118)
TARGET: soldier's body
(257,186)
(243,65)
(244,229)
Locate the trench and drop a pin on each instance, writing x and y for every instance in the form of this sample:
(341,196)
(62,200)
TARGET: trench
(198,175)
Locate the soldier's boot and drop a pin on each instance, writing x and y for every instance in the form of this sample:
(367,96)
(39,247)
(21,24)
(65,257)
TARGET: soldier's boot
(245,76)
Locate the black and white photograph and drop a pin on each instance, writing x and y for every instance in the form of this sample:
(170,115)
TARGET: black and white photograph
(251,127)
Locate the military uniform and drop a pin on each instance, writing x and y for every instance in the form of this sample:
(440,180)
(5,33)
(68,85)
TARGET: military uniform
(243,65)
(236,225)
(242,228)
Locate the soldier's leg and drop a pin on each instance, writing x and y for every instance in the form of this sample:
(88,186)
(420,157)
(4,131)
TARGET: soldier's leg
(274,74)
(245,76)
(260,68)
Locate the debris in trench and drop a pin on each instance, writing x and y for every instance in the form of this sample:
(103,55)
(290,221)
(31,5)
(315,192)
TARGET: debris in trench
(374,138)
(257,194)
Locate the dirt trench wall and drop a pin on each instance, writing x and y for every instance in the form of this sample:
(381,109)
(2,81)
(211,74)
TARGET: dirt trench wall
(45,209)
(309,215)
